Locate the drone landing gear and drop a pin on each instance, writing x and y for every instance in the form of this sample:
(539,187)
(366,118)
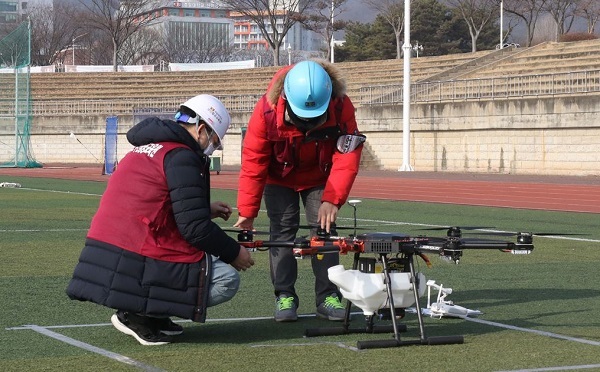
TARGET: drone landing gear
(394,328)
(345,328)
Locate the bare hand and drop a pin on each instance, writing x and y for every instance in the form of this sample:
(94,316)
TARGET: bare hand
(327,215)
(245,223)
(243,261)
(220,209)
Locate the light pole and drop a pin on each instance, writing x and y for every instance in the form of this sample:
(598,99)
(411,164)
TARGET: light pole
(289,49)
(73,47)
(406,93)
(332,36)
(501,24)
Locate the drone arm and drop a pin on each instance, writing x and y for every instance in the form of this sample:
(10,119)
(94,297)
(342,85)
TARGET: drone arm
(266,244)
(305,247)
(487,245)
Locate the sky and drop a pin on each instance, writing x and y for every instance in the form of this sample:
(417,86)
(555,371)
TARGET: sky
(355,10)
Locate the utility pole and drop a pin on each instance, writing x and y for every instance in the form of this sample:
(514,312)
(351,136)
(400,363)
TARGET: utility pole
(501,24)
(406,92)
(332,36)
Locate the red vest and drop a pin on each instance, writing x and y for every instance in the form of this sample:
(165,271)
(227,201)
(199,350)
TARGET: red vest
(135,211)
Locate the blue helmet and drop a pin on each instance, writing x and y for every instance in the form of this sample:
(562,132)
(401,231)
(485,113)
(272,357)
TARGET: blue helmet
(307,88)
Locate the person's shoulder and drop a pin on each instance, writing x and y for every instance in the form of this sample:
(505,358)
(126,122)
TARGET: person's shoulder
(182,155)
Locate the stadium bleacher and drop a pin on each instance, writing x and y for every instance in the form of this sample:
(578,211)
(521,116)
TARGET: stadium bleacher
(542,59)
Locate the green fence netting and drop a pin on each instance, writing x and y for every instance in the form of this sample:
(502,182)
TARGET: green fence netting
(15,99)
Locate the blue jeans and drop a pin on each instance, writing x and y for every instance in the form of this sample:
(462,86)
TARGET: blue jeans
(224,282)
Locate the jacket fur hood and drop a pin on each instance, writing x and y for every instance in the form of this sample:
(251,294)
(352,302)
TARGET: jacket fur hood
(338,83)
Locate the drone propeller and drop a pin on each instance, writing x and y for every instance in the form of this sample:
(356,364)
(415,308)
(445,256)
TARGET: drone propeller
(455,231)
(502,233)
(457,227)
(252,232)
(309,227)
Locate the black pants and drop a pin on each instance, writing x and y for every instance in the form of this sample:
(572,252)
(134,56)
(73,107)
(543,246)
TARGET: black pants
(283,209)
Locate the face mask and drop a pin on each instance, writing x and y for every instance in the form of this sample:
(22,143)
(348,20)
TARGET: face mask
(209,149)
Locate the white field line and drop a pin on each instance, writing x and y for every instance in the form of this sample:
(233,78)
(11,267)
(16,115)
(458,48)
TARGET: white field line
(535,331)
(46,331)
(561,368)
(124,359)
(60,192)
(476,320)
(379,223)
(82,345)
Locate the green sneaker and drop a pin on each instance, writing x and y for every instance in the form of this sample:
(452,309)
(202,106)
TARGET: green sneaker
(285,309)
(331,308)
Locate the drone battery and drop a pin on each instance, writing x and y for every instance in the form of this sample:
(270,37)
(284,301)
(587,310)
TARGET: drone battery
(366,265)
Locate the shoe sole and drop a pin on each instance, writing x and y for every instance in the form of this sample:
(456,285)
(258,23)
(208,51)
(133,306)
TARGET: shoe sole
(123,328)
(171,333)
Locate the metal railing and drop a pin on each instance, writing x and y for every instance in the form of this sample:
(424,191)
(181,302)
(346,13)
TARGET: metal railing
(121,106)
(579,82)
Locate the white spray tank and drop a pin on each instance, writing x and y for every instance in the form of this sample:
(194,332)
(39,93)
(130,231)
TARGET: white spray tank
(368,290)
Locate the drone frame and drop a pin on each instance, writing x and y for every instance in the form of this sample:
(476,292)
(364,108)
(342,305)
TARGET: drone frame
(384,244)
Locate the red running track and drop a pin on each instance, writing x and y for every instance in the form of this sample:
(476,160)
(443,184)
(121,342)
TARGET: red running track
(560,193)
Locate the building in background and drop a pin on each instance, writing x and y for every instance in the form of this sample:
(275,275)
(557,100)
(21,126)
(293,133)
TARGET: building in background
(191,22)
(11,12)
(248,36)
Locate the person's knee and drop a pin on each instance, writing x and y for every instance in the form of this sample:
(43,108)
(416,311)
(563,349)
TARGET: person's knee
(225,287)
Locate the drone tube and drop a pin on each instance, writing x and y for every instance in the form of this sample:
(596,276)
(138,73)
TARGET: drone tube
(486,245)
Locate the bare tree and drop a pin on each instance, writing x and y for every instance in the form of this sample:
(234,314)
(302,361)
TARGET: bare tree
(392,11)
(477,14)
(323,22)
(527,10)
(563,13)
(209,50)
(144,47)
(274,18)
(545,29)
(590,11)
(119,19)
(52,29)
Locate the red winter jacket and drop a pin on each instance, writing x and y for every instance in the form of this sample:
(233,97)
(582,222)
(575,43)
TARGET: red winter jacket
(275,152)
(138,216)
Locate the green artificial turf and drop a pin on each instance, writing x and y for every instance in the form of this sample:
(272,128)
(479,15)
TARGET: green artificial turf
(525,299)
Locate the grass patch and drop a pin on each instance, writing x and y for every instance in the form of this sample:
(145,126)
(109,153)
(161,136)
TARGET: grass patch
(43,226)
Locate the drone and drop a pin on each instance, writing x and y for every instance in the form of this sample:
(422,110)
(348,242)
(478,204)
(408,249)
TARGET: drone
(388,292)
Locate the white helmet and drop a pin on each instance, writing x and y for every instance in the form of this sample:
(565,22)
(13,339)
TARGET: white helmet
(209,110)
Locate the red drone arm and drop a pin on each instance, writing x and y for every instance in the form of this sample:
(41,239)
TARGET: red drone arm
(315,245)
